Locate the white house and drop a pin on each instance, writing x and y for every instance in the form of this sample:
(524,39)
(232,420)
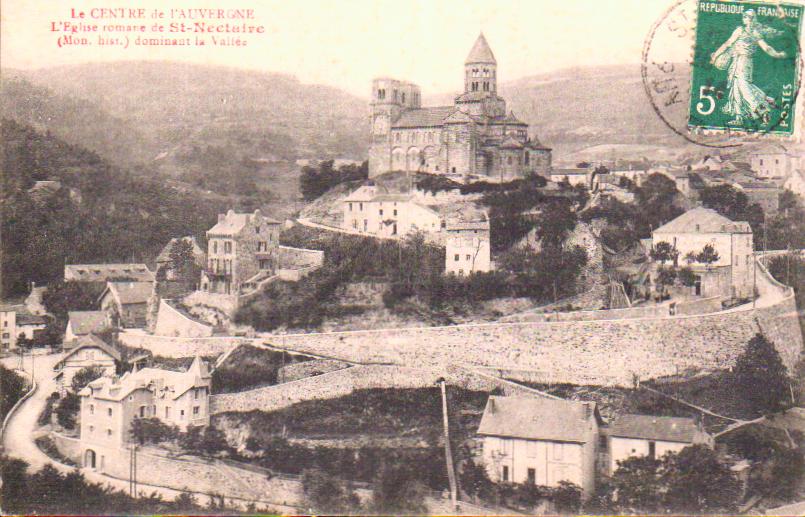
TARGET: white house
(540,440)
(732,275)
(372,210)
(652,436)
(82,323)
(89,351)
(467,242)
(109,405)
(774,162)
(8,328)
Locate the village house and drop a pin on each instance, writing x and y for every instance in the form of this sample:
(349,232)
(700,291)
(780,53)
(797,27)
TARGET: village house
(82,323)
(572,176)
(106,272)
(540,441)
(776,161)
(732,274)
(476,136)
(373,210)
(126,303)
(17,321)
(109,405)
(647,435)
(241,249)
(8,328)
(89,351)
(467,242)
(765,194)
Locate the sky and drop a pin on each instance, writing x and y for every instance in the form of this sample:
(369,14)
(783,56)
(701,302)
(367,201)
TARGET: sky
(345,43)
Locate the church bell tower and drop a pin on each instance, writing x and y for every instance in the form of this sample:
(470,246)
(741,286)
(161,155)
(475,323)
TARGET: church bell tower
(480,69)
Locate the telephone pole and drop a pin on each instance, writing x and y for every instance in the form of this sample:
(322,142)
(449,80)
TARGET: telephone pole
(451,475)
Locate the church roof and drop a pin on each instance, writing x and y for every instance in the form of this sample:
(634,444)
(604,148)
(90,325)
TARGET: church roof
(480,53)
(473,96)
(509,120)
(424,117)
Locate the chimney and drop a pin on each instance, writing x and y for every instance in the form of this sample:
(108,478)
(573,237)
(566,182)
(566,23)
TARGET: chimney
(491,405)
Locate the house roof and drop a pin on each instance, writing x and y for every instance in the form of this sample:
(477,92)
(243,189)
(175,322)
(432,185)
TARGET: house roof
(537,418)
(86,322)
(703,220)
(103,272)
(90,341)
(160,382)
(480,52)
(231,223)
(660,428)
(129,292)
(365,193)
(424,117)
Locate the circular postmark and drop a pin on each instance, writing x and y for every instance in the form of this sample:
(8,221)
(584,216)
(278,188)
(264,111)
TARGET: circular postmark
(699,70)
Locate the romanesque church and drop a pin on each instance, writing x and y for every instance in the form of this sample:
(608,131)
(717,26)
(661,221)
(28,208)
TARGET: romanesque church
(475,138)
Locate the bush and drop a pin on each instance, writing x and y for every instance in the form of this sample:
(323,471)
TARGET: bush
(315,181)
(84,376)
(327,494)
(67,410)
(12,389)
(152,430)
(762,377)
(44,416)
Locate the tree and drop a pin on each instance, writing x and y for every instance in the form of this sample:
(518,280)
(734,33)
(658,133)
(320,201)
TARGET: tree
(327,494)
(638,485)
(663,252)
(690,257)
(567,498)
(397,490)
(152,430)
(708,255)
(666,277)
(67,410)
(686,276)
(556,221)
(183,263)
(62,297)
(732,204)
(12,388)
(84,376)
(761,376)
(474,479)
(697,482)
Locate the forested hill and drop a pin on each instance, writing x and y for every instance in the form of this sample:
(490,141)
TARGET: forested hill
(101,213)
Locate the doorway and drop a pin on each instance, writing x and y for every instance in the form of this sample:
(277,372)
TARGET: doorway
(89,458)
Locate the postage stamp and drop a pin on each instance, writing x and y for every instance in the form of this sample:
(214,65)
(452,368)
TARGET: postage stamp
(746,67)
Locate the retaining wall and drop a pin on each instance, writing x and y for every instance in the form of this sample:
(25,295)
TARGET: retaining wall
(296,371)
(343,382)
(171,322)
(607,352)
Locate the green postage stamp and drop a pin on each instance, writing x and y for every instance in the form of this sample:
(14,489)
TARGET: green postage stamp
(746,67)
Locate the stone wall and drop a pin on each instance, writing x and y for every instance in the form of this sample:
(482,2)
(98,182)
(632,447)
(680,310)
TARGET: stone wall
(296,371)
(299,258)
(169,346)
(343,382)
(171,322)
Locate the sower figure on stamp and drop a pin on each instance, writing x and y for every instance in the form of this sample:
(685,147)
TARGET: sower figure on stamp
(744,98)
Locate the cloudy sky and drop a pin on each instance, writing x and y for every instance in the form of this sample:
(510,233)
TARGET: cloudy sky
(347,42)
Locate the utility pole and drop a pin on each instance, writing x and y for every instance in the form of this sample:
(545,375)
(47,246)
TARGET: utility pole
(451,475)
(133,471)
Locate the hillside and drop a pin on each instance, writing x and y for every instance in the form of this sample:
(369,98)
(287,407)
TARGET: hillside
(101,213)
(264,116)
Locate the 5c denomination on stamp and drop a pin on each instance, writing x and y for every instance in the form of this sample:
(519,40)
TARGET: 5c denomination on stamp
(746,67)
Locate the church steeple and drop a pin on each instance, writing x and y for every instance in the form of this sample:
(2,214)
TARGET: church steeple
(480,53)
(480,68)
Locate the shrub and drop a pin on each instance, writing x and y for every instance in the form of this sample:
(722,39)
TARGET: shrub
(84,376)
(152,430)
(762,377)
(67,410)
(44,416)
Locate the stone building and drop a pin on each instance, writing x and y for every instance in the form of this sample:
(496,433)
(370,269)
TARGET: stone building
(649,435)
(775,161)
(373,210)
(126,303)
(241,249)
(467,242)
(110,404)
(540,441)
(89,351)
(474,137)
(732,275)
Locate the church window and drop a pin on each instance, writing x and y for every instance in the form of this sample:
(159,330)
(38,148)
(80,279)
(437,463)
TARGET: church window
(527,156)
(403,96)
(509,160)
(486,86)
(454,170)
